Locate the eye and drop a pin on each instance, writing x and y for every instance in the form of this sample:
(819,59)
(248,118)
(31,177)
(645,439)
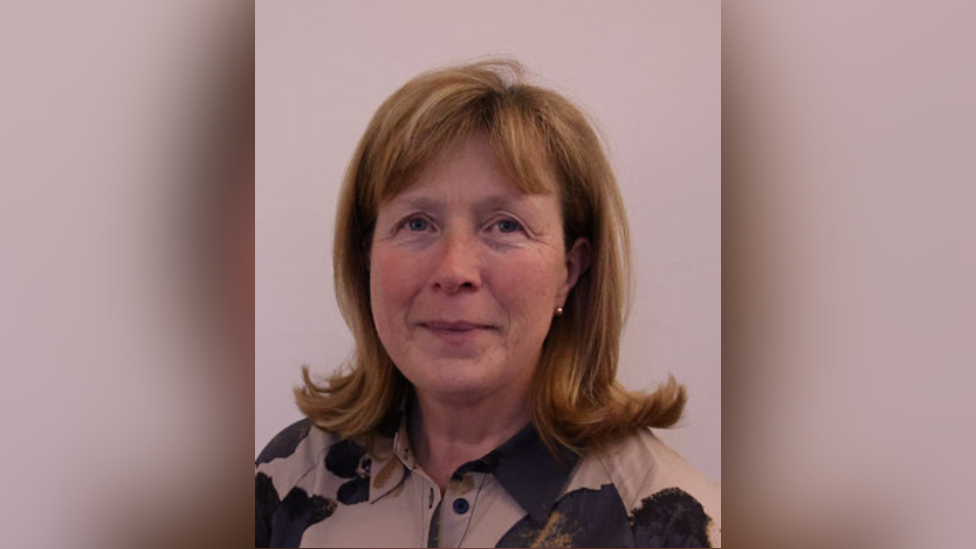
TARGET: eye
(417,224)
(508,226)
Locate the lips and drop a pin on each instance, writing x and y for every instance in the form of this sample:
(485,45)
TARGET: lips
(457,335)
(453,326)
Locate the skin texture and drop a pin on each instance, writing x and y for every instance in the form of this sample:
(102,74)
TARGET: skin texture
(463,244)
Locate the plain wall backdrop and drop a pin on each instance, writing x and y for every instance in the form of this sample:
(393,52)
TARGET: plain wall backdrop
(647,72)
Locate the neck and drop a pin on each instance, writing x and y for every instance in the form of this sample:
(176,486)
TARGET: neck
(446,434)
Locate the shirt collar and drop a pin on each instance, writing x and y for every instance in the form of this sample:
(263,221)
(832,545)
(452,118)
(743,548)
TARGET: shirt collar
(528,471)
(523,465)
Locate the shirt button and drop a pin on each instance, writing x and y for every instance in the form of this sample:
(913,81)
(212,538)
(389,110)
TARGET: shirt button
(461,506)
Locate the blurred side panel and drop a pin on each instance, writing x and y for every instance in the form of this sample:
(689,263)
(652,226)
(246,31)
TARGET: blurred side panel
(849,310)
(126,293)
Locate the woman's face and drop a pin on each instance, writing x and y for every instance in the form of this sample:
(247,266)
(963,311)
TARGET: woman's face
(465,275)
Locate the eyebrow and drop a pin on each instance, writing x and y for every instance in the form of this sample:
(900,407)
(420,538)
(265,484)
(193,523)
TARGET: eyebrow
(432,204)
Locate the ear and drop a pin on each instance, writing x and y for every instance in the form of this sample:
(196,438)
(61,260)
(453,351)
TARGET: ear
(577,262)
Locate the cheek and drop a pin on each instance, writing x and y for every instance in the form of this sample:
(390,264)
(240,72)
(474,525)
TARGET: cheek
(528,289)
(393,283)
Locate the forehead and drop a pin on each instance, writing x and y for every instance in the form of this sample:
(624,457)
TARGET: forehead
(471,170)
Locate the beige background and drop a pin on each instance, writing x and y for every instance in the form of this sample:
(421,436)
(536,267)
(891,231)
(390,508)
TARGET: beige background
(647,72)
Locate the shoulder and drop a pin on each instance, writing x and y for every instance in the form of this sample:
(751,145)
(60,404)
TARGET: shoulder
(291,456)
(284,444)
(668,501)
(292,453)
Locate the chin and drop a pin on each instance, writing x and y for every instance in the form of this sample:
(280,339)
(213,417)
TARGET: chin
(459,387)
(456,377)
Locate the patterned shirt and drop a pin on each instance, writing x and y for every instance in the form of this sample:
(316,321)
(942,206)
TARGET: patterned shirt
(316,490)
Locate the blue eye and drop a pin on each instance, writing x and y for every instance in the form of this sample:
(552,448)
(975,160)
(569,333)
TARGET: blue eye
(508,226)
(417,224)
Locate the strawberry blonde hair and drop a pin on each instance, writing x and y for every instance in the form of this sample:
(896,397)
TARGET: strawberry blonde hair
(575,398)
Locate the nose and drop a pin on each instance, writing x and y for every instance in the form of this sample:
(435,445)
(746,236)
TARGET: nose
(457,266)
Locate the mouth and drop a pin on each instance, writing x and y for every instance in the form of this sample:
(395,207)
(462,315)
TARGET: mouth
(456,326)
(456,332)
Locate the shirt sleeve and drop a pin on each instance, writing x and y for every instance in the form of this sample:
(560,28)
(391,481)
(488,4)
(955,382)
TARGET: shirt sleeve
(265,503)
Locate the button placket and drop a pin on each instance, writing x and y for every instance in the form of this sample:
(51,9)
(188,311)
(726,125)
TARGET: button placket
(430,500)
(458,507)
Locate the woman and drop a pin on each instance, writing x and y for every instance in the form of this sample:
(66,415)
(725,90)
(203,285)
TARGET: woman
(481,261)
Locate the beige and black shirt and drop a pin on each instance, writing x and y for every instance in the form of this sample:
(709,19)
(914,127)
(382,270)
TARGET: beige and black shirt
(315,490)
